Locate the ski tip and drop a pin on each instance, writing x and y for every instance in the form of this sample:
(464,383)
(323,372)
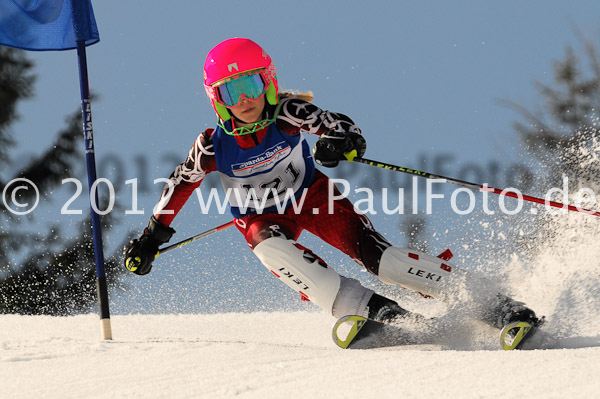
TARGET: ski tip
(346,329)
(513,334)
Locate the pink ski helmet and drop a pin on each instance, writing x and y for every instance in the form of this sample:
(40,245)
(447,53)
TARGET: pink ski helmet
(232,59)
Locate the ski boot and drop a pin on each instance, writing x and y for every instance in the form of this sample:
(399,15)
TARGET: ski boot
(517,322)
(387,311)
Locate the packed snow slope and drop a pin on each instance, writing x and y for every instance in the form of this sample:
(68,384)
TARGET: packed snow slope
(270,355)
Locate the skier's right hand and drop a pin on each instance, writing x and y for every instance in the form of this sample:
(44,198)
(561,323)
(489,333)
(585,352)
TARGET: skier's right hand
(140,253)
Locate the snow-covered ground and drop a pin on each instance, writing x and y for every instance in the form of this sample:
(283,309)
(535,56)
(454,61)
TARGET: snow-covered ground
(267,355)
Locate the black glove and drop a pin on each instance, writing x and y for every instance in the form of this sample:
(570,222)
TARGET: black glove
(329,150)
(139,254)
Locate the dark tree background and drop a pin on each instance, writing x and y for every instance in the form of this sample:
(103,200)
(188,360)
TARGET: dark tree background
(562,133)
(51,275)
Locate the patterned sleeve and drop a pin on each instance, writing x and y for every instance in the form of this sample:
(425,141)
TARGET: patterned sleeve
(186,177)
(297,115)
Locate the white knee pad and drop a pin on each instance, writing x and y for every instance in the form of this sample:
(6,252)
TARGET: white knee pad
(415,270)
(307,274)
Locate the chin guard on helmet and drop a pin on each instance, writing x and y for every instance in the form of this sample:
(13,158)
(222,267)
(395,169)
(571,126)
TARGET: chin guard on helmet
(228,128)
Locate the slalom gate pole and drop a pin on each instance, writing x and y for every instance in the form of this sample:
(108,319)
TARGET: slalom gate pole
(351,157)
(88,133)
(197,237)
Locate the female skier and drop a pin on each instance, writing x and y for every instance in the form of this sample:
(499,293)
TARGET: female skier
(265,164)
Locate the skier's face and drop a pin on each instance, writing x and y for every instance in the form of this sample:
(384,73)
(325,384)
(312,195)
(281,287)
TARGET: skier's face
(249,111)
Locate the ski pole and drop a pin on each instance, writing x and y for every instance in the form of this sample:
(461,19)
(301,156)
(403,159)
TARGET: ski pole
(351,156)
(194,238)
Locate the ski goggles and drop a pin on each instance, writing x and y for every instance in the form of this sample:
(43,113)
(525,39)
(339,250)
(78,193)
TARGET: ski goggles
(231,93)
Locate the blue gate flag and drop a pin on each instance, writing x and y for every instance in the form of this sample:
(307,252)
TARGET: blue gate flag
(47,24)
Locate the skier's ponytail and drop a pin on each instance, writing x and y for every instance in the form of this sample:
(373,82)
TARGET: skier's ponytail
(301,95)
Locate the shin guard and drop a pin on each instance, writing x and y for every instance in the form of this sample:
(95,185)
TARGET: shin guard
(309,275)
(415,270)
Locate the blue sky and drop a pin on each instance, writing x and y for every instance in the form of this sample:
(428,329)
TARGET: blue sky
(423,80)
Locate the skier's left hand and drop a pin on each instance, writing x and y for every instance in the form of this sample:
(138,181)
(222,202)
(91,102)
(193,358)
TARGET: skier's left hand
(329,150)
